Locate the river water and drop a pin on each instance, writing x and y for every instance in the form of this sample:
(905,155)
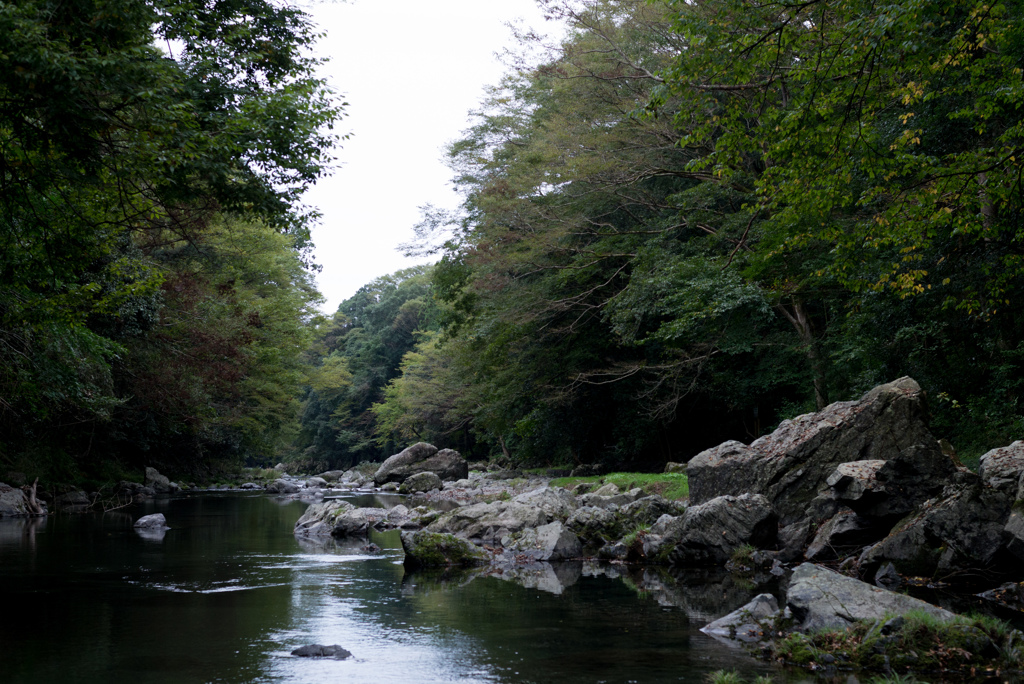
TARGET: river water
(228,592)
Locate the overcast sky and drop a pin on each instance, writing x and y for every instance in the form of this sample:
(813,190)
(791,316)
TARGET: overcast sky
(410,71)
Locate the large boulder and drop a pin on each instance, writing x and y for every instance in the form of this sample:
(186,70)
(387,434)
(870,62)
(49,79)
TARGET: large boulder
(160,483)
(319,519)
(430,550)
(13,503)
(358,521)
(823,599)
(152,521)
(792,466)
(708,534)
(420,482)
(551,542)
(594,526)
(447,464)
(961,531)
(282,486)
(490,522)
(556,502)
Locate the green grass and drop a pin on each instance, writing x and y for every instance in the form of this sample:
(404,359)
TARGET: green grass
(921,643)
(672,486)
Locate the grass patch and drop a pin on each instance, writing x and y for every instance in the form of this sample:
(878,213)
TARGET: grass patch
(914,642)
(672,486)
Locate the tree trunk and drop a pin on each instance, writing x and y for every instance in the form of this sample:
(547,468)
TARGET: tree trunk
(802,323)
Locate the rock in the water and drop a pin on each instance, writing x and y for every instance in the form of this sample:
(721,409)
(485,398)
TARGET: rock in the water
(749,624)
(822,599)
(447,464)
(76,498)
(331,475)
(961,531)
(156,520)
(551,542)
(490,522)
(594,526)
(791,466)
(14,503)
(319,519)
(318,651)
(420,482)
(282,486)
(430,550)
(316,483)
(709,533)
(357,522)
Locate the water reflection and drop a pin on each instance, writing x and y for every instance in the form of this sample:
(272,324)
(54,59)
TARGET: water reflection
(229,592)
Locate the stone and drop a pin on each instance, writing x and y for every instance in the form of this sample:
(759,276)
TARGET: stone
(840,535)
(792,465)
(319,519)
(73,499)
(610,489)
(673,467)
(282,486)
(959,531)
(1003,468)
(316,483)
(551,542)
(357,522)
(317,651)
(647,510)
(490,522)
(594,526)
(160,483)
(708,534)
(13,502)
(749,624)
(420,482)
(888,578)
(824,599)
(610,501)
(156,520)
(556,502)
(428,549)
(447,464)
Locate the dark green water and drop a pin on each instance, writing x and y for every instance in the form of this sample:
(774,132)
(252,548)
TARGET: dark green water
(228,592)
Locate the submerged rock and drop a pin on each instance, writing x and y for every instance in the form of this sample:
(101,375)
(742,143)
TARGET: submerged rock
(319,519)
(318,651)
(750,624)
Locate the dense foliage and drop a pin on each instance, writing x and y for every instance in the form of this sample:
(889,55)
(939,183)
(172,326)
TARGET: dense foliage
(152,289)
(691,219)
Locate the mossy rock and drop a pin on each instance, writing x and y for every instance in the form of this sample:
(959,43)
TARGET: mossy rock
(432,550)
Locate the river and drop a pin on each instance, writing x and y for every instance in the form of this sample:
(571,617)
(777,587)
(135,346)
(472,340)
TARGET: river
(228,592)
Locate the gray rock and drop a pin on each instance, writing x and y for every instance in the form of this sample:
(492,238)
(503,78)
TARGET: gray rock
(960,531)
(748,624)
(647,510)
(331,475)
(420,482)
(594,526)
(160,483)
(551,542)
(489,521)
(73,499)
(822,599)
(389,487)
(610,501)
(14,503)
(282,486)
(673,467)
(556,502)
(610,489)
(156,520)
(614,551)
(319,519)
(708,534)
(844,533)
(1003,468)
(429,549)
(357,522)
(791,466)
(317,651)
(422,457)
(316,483)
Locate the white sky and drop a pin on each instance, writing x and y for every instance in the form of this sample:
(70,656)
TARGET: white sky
(410,71)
